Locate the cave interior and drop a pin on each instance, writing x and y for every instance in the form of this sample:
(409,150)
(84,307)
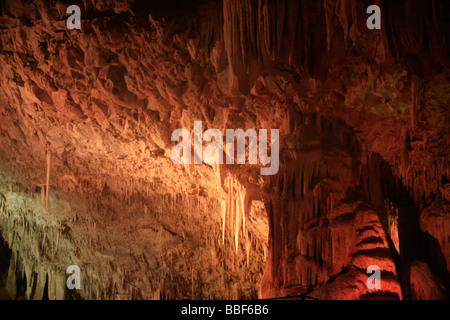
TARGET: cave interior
(87,176)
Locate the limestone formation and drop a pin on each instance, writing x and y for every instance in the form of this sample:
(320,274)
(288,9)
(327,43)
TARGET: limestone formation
(86,176)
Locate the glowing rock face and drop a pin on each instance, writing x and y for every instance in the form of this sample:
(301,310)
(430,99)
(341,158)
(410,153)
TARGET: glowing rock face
(86,118)
(214,151)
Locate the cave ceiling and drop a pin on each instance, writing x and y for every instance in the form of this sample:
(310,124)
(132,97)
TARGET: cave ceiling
(87,175)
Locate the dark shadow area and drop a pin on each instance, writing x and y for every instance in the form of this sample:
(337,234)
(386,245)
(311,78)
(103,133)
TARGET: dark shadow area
(414,244)
(5,257)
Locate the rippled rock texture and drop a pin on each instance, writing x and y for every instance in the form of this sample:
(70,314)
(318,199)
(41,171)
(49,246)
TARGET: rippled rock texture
(85,146)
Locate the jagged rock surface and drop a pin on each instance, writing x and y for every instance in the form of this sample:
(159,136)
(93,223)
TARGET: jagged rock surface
(363,118)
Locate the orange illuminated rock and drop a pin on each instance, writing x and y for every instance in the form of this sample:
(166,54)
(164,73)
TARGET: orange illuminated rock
(363,174)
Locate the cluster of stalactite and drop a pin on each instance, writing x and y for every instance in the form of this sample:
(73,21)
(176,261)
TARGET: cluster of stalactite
(336,210)
(324,235)
(418,33)
(137,266)
(233,213)
(307,34)
(35,241)
(146,77)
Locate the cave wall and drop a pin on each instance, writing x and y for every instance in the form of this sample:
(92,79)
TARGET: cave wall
(153,246)
(335,211)
(100,103)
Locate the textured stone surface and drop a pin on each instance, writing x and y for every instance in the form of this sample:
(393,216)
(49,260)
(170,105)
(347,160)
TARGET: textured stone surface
(363,118)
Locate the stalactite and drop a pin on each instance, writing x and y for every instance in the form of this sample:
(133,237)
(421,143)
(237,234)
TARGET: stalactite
(237,219)
(43,194)
(47,187)
(416,98)
(223,214)
(234,211)
(229,200)
(327,6)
